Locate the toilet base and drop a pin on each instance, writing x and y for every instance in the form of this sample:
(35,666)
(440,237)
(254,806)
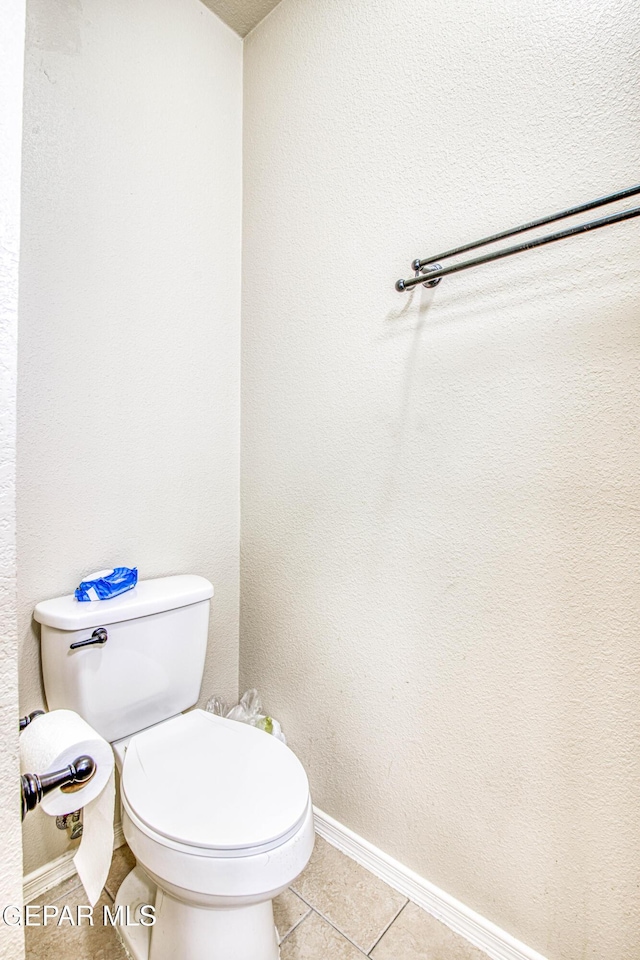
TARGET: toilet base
(135,889)
(192,932)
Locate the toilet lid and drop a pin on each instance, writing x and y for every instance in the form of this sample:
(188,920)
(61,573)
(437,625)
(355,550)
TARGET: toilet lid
(208,782)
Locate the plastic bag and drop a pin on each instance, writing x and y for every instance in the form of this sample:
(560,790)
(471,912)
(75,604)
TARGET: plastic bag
(106,584)
(249,710)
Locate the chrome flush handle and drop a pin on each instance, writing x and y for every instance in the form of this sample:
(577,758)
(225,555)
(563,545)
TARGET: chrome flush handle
(98,636)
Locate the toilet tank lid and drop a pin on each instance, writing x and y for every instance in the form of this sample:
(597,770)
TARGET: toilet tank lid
(149,596)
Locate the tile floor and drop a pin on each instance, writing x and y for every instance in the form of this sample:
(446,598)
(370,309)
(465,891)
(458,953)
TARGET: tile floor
(335,910)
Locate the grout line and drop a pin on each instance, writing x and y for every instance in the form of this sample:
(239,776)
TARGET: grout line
(388,927)
(298,922)
(341,932)
(313,909)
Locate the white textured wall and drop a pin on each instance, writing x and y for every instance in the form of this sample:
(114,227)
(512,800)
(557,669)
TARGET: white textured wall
(441,492)
(11,74)
(129,340)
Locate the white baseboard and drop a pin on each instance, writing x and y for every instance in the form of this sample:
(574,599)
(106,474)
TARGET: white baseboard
(482,933)
(45,878)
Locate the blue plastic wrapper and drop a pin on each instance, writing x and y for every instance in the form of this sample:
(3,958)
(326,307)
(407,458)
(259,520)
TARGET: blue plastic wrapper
(107,584)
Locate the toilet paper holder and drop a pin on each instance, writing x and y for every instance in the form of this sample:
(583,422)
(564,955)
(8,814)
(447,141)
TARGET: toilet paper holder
(33,786)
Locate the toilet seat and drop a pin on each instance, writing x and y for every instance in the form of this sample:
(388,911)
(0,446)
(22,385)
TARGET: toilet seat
(213,787)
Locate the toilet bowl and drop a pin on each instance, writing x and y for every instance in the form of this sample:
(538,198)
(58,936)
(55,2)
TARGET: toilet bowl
(217,813)
(219,817)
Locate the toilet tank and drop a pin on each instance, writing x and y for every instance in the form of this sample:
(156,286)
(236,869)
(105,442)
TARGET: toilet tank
(148,669)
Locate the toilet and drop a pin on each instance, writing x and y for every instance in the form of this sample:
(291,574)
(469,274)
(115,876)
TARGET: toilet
(217,813)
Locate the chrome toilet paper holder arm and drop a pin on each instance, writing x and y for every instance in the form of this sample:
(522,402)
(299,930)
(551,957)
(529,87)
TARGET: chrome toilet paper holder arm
(25,721)
(33,786)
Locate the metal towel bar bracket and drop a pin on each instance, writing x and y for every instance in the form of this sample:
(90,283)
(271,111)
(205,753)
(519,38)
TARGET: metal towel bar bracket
(430,271)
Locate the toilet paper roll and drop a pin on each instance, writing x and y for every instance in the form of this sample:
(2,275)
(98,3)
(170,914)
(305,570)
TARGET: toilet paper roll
(55,740)
(51,743)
